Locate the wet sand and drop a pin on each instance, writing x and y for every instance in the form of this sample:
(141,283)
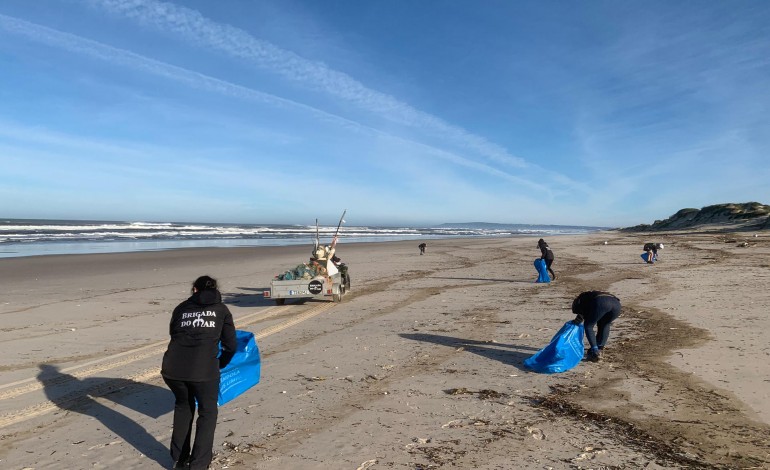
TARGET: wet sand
(420,365)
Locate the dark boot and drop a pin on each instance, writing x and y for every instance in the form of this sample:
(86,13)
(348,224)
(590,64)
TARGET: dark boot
(593,356)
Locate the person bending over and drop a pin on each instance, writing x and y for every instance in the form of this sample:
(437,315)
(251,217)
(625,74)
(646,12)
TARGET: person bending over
(596,309)
(191,370)
(547,255)
(652,251)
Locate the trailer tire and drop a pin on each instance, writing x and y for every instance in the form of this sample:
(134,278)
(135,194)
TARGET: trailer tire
(337,298)
(280,301)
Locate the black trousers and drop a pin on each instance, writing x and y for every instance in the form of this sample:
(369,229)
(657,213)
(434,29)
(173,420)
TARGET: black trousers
(600,314)
(186,394)
(548,263)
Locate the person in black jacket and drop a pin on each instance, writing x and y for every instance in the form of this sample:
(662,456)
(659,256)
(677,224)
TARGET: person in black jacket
(547,255)
(652,251)
(191,370)
(599,309)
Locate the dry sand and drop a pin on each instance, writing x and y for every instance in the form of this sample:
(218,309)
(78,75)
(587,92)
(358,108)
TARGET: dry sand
(419,367)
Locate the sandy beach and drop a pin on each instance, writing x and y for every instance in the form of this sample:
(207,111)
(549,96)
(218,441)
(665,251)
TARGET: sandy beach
(419,367)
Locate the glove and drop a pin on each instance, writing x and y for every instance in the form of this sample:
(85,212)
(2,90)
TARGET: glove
(225,358)
(578,320)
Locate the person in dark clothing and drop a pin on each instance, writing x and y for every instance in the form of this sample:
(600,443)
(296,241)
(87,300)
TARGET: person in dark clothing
(547,255)
(652,251)
(599,309)
(191,370)
(422,246)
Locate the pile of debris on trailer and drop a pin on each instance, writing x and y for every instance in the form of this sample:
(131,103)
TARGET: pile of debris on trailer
(303,271)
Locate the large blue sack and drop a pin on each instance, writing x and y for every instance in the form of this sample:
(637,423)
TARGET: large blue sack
(645,256)
(563,353)
(542,272)
(243,371)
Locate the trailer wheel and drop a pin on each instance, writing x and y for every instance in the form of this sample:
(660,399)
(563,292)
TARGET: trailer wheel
(337,298)
(280,301)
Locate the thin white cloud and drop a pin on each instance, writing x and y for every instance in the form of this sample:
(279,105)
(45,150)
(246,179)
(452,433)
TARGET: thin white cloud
(197,80)
(685,112)
(194,27)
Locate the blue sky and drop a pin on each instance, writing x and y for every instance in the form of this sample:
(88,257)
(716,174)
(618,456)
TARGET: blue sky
(608,113)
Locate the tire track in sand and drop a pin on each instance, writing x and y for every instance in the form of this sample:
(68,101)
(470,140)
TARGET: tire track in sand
(122,359)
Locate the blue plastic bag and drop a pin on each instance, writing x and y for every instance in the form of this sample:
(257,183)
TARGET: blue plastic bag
(563,353)
(645,256)
(243,371)
(542,272)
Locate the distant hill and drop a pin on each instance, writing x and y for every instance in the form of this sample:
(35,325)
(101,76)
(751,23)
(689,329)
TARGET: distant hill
(737,216)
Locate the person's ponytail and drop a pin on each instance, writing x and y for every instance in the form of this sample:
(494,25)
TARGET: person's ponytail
(205,282)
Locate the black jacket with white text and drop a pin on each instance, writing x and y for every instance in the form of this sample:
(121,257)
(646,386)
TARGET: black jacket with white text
(197,326)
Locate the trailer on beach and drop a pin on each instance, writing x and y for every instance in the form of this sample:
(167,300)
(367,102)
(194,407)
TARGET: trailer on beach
(324,277)
(320,287)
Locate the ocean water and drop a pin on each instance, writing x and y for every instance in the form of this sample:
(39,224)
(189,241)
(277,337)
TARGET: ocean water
(26,237)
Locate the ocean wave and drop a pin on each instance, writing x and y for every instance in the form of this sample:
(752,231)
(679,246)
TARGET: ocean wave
(63,237)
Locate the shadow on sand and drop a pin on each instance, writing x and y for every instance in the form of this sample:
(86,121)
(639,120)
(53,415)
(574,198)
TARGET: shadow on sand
(640,263)
(528,281)
(248,300)
(509,354)
(72,394)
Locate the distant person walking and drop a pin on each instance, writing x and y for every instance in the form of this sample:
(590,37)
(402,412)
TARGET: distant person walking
(652,251)
(422,246)
(191,370)
(547,255)
(597,309)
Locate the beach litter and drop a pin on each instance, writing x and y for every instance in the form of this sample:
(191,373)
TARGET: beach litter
(367,464)
(536,433)
(589,454)
(484,394)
